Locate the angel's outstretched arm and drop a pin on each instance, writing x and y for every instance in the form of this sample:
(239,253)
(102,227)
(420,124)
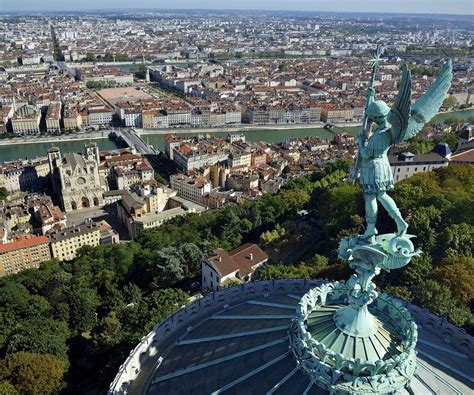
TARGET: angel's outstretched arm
(370,95)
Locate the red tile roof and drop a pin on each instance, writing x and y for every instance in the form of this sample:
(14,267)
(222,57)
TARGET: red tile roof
(23,244)
(240,260)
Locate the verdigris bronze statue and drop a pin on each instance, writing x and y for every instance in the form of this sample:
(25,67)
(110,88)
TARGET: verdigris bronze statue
(346,337)
(394,125)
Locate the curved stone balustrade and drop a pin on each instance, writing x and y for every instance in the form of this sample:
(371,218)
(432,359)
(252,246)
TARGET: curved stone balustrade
(348,375)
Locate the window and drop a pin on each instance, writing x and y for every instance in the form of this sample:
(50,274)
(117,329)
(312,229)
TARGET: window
(398,170)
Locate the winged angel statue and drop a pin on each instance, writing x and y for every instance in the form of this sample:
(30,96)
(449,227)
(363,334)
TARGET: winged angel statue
(394,125)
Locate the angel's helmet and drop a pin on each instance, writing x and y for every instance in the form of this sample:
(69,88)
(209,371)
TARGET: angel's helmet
(377,110)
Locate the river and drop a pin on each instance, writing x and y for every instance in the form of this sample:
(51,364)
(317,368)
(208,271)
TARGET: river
(22,151)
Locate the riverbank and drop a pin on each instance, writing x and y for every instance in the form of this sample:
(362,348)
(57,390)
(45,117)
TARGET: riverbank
(244,128)
(253,132)
(56,139)
(105,133)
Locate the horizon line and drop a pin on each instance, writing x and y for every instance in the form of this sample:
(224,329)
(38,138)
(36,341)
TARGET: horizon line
(231,9)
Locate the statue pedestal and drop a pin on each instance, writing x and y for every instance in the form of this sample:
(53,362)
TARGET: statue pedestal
(346,337)
(355,321)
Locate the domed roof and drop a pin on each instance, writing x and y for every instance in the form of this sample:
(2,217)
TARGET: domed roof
(236,341)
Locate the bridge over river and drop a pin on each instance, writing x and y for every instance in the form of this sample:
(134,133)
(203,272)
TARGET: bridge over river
(133,140)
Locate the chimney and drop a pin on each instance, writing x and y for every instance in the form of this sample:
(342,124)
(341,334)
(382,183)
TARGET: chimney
(220,258)
(251,256)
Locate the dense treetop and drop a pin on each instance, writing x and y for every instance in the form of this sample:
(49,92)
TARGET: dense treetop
(83,317)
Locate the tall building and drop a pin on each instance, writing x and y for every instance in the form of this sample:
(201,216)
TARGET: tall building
(23,254)
(26,120)
(24,176)
(76,179)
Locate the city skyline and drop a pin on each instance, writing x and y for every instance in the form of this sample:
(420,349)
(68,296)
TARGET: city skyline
(462,7)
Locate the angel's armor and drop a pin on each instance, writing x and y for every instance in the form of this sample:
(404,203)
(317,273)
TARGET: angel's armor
(375,172)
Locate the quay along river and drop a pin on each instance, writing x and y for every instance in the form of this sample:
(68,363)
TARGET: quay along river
(33,150)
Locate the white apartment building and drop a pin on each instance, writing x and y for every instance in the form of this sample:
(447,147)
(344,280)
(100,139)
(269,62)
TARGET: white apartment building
(407,164)
(240,159)
(100,116)
(191,188)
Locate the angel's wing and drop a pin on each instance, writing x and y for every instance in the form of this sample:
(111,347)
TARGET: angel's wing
(429,104)
(399,115)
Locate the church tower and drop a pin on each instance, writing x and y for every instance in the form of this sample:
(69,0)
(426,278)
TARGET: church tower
(92,152)
(54,159)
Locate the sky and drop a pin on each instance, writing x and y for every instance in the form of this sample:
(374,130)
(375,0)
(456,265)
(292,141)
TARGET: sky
(463,7)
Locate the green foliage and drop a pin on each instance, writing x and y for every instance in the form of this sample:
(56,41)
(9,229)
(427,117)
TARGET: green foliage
(96,308)
(30,373)
(83,305)
(450,102)
(456,273)
(7,388)
(40,335)
(449,138)
(271,236)
(420,146)
(3,193)
(57,53)
(434,297)
(457,239)
(424,70)
(281,271)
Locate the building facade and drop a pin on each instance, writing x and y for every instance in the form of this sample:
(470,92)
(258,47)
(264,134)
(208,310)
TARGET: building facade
(238,265)
(75,178)
(191,188)
(23,254)
(66,242)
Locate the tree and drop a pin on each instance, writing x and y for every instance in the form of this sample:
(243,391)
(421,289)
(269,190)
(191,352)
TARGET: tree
(283,67)
(83,303)
(415,272)
(40,335)
(318,262)
(108,333)
(450,102)
(271,236)
(425,223)
(398,291)
(3,193)
(162,303)
(457,239)
(407,196)
(433,296)
(7,388)
(281,271)
(456,273)
(420,146)
(296,199)
(7,64)
(31,373)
